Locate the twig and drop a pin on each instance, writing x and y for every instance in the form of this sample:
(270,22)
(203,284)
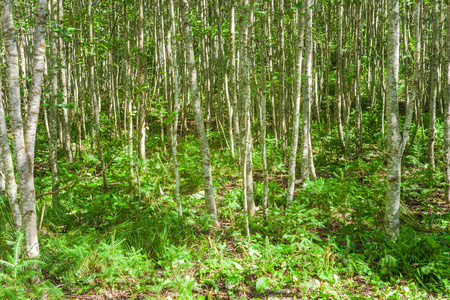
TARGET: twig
(376,148)
(42,217)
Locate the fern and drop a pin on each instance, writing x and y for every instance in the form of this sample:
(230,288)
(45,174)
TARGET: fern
(16,275)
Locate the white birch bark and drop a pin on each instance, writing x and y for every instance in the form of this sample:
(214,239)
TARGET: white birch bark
(245,105)
(233,85)
(245,183)
(447,112)
(67,141)
(53,114)
(307,159)
(142,78)
(2,168)
(7,168)
(95,107)
(24,136)
(296,116)
(172,55)
(197,105)
(396,139)
(338,88)
(434,84)
(265,201)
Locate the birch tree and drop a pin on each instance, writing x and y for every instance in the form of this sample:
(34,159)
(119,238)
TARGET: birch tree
(308,171)
(263,117)
(447,112)
(396,138)
(24,131)
(296,115)
(197,104)
(434,84)
(245,22)
(172,55)
(7,167)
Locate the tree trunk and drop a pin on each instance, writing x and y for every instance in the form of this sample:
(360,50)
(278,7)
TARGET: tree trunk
(296,115)
(142,80)
(434,85)
(339,69)
(265,201)
(172,54)
(447,112)
(7,168)
(396,139)
(66,110)
(24,135)
(95,113)
(52,62)
(206,162)
(233,88)
(307,159)
(245,104)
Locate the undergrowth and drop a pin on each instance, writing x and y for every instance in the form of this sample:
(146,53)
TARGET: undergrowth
(329,244)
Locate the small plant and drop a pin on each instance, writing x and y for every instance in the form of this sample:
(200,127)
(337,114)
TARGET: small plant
(17,274)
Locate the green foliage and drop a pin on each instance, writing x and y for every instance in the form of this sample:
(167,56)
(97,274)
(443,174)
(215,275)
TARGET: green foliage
(17,275)
(86,261)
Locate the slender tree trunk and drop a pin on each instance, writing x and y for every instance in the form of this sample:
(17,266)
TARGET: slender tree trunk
(245,183)
(393,178)
(339,70)
(396,139)
(172,55)
(296,116)
(24,135)
(95,103)
(307,161)
(434,85)
(358,83)
(66,111)
(206,161)
(142,78)
(7,167)
(447,112)
(52,62)
(233,88)
(245,20)
(265,201)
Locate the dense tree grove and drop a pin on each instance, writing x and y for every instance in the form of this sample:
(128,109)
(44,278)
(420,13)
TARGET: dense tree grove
(214,149)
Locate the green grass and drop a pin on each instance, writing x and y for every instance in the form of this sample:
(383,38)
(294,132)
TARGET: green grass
(329,244)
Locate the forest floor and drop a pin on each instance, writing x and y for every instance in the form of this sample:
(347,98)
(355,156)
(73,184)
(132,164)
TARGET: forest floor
(342,286)
(129,243)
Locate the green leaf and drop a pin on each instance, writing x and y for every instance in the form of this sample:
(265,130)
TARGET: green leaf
(212,283)
(348,229)
(261,284)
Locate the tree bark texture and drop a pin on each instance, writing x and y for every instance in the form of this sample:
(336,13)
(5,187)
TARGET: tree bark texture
(447,112)
(296,115)
(24,133)
(197,104)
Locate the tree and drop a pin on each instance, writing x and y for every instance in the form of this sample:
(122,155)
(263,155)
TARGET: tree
(434,84)
(296,115)
(396,139)
(197,103)
(308,170)
(172,55)
(24,131)
(245,103)
(7,167)
(447,112)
